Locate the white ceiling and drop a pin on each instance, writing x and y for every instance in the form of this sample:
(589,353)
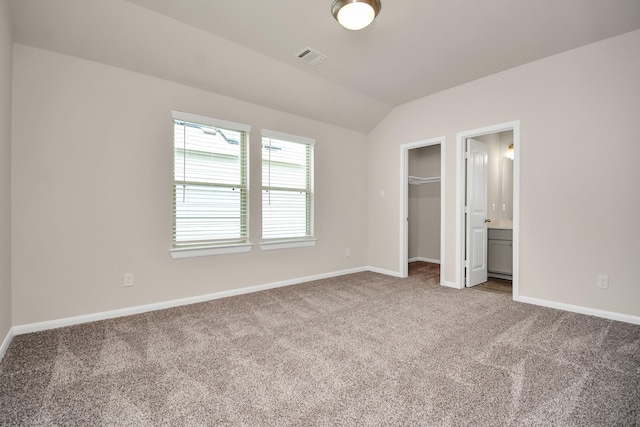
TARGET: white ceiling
(246,49)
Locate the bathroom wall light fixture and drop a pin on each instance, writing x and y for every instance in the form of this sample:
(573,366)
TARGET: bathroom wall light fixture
(355,14)
(510,152)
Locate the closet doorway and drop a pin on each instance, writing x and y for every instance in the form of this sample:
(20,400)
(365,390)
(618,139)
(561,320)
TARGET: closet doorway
(422,203)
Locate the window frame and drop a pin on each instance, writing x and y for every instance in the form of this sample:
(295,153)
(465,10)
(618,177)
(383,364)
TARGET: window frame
(291,242)
(243,245)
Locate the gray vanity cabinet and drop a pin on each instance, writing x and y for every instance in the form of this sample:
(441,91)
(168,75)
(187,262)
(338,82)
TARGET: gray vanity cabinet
(500,256)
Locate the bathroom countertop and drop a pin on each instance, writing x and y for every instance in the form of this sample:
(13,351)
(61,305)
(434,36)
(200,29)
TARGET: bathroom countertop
(501,226)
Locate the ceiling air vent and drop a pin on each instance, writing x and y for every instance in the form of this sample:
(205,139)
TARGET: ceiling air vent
(311,56)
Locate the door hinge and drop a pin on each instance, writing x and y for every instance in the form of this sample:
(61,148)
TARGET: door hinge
(466,154)
(466,209)
(466,263)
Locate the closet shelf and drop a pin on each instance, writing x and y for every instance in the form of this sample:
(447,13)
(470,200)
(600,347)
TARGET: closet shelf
(416,180)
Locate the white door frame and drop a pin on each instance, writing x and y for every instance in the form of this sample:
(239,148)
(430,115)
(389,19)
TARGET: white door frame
(461,178)
(404,201)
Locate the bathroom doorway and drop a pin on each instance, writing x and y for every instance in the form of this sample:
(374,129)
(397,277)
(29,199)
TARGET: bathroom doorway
(500,237)
(422,204)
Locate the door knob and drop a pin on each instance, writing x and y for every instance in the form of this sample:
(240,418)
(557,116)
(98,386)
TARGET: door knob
(487,220)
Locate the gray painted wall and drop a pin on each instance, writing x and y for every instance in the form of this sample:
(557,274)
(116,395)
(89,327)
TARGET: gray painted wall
(6,46)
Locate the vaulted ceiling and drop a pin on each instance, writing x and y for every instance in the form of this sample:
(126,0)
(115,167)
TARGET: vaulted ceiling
(246,49)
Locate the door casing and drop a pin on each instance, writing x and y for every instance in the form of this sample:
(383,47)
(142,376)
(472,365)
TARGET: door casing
(461,180)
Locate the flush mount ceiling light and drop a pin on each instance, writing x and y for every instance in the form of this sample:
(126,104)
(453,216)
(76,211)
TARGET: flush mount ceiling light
(355,14)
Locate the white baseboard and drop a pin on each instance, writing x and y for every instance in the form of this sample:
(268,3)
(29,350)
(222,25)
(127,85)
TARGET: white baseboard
(627,318)
(431,260)
(69,321)
(383,271)
(5,343)
(449,284)
(76,320)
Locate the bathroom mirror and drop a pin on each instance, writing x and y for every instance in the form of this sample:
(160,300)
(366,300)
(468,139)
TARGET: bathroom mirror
(506,183)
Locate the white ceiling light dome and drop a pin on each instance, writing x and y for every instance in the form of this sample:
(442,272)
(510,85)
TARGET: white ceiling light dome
(355,14)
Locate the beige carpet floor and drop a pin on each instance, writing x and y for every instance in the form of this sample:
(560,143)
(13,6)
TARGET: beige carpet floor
(362,349)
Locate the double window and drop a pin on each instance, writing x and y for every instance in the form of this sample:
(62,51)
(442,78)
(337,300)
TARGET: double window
(211,188)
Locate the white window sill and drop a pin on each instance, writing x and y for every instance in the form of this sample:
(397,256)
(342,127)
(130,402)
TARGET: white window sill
(286,244)
(210,250)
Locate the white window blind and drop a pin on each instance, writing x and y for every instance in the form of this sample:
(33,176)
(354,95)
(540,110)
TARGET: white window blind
(287,186)
(210,191)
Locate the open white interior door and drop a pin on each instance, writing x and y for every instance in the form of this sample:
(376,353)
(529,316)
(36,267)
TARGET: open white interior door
(476,217)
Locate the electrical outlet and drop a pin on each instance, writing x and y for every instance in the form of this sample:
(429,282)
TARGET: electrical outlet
(603,282)
(348,251)
(128,280)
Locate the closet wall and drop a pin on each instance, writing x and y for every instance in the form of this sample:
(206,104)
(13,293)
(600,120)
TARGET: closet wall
(424,205)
